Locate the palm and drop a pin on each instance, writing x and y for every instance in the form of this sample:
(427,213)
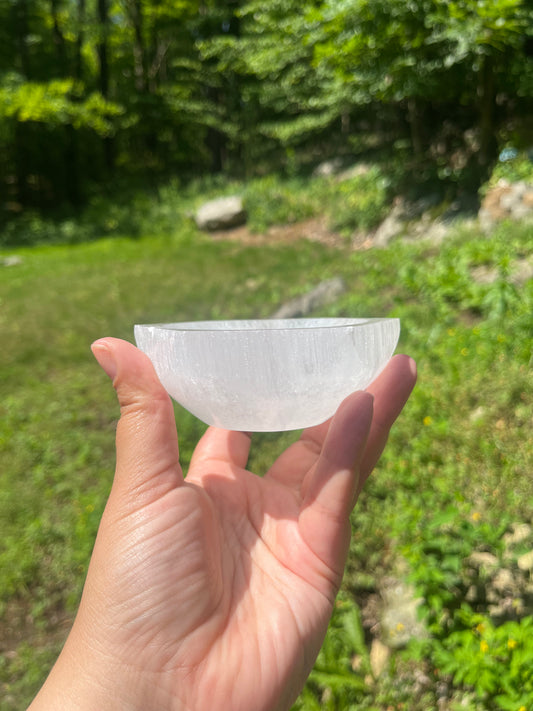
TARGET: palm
(228,552)
(271,590)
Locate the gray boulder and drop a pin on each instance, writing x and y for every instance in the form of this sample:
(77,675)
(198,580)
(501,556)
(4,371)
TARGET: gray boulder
(221,214)
(327,292)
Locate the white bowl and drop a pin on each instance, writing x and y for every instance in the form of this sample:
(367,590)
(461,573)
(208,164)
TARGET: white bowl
(267,375)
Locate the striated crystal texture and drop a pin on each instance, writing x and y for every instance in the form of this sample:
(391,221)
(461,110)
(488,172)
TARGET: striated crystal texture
(267,375)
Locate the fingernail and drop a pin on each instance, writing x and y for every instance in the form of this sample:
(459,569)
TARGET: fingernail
(105,358)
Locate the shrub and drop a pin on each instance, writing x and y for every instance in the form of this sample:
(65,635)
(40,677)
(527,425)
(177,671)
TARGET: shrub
(275,201)
(360,202)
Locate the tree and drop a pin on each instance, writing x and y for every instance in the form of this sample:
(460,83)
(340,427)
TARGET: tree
(285,102)
(429,57)
(484,39)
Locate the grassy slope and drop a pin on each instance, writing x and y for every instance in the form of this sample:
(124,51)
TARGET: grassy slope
(463,440)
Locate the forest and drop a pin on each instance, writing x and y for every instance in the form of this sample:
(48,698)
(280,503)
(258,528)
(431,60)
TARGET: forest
(95,94)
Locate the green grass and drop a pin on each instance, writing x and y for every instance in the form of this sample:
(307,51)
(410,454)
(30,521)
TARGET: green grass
(463,444)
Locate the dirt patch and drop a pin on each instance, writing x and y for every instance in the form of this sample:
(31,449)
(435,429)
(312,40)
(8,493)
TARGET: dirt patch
(315,230)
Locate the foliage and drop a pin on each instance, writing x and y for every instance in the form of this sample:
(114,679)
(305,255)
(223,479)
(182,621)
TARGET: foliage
(58,102)
(271,201)
(494,661)
(426,58)
(286,98)
(437,553)
(519,166)
(360,202)
(95,92)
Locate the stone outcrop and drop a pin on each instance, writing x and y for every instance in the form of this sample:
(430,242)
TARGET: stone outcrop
(506,201)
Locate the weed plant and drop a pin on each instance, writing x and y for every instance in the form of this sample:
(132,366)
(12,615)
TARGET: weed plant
(453,481)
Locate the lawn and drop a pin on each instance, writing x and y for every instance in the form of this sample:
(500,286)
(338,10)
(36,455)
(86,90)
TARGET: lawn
(455,478)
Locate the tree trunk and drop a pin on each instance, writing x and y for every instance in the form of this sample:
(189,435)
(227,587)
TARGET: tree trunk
(139,49)
(103,78)
(71,176)
(78,66)
(21,163)
(20,132)
(416,127)
(488,144)
(59,41)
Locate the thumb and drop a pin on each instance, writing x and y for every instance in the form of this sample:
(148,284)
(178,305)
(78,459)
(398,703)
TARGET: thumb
(146,441)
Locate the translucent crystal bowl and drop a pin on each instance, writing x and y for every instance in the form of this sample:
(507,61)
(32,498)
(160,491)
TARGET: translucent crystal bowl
(267,375)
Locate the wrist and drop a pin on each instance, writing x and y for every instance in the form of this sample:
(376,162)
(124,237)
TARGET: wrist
(85,680)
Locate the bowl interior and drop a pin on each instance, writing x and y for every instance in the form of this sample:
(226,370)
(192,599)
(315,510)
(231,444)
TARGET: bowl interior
(247,325)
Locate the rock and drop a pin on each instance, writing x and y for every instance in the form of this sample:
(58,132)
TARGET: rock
(433,231)
(221,214)
(506,201)
(472,594)
(478,414)
(525,562)
(416,209)
(519,533)
(327,292)
(354,171)
(328,168)
(508,608)
(11,261)
(465,207)
(437,232)
(484,275)
(522,271)
(391,227)
(492,597)
(503,582)
(527,199)
(512,197)
(483,560)
(379,657)
(399,617)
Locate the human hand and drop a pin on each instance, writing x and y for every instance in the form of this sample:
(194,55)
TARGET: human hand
(214,591)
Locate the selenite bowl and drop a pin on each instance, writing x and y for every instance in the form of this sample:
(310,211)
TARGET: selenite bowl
(267,375)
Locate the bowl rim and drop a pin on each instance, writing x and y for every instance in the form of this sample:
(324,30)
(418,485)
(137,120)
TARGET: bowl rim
(243,325)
